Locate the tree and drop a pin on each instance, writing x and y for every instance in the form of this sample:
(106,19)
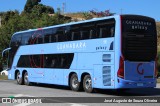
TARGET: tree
(34,6)
(30,4)
(7,15)
(40,9)
(101,13)
(35,15)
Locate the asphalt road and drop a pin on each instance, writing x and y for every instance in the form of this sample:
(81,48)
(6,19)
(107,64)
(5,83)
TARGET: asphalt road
(10,88)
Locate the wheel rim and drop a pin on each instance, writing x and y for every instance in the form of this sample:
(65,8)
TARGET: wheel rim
(88,83)
(18,77)
(26,78)
(74,82)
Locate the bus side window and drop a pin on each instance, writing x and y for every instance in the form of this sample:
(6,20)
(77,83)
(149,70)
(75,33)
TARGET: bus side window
(36,61)
(105,28)
(86,30)
(26,38)
(66,60)
(57,61)
(84,35)
(47,38)
(56,37)
(112,31)
(49,61)
(60,36)
(104,33)
(74,33)
(53,38)
(40,40)
(24,61)
(68,35)
(47,35)
(39,37)
(75,36)
(92,34)
(16,40)
(63,61)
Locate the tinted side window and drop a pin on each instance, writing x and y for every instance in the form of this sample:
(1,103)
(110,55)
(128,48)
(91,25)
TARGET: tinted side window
(53,38)
(74,33)
(26,38)
(60,35)
(106,28)
(88,31)
(37,37)
(24,61)
(58,60)
(48,33)
(62,61)
(36,61)
(50,61)
(16,40)
(93,34)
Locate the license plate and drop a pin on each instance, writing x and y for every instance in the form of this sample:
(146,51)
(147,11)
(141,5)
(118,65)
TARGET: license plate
(139,84)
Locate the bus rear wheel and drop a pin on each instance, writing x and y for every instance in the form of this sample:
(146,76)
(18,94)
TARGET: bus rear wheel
(74,83)
(87,84)
(26,81)
(19,79)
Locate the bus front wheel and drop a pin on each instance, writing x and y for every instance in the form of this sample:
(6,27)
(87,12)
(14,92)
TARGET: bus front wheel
(74,83)
(87,84)
(19,79)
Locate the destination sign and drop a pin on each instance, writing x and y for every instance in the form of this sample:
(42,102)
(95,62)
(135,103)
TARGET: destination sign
(131,25)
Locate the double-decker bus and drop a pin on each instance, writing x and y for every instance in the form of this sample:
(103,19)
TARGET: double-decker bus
(108,53)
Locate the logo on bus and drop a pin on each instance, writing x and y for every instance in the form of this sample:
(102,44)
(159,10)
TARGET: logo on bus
(79,45)
(140,71)
(141,25)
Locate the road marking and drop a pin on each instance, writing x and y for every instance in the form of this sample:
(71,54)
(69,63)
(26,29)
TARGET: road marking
(26,104)
(23,104)
(75,104)
(18,95)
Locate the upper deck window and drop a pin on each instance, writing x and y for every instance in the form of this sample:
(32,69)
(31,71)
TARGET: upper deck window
(106,28)
(87,31)
(16,40)
(83,31)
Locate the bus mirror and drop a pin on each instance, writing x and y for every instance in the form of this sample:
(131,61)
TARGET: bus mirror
(4,52)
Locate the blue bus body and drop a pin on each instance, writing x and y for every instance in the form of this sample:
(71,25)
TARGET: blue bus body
(100,58)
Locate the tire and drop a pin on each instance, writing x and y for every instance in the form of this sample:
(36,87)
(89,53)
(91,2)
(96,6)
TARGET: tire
(19,79)
(87,84)
(26,81)
(74,83)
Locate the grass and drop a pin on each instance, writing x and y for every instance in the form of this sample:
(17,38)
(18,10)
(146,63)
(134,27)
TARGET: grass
(2,77)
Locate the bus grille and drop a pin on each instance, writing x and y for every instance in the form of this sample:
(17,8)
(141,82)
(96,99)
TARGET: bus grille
(107,75)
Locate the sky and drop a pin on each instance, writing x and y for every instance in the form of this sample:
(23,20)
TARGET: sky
(140,7)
